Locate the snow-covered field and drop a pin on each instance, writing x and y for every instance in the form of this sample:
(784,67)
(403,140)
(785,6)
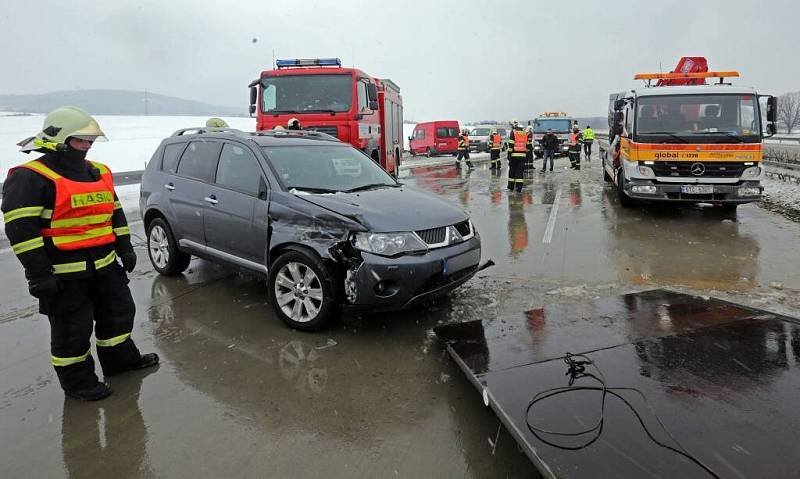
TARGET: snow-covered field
(132,139)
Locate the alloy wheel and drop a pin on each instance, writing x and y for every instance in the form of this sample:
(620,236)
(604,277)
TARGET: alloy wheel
(159,246)
(298,292)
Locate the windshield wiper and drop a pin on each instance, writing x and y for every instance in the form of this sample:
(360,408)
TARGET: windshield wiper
(321,110)
(278,112)
(729,134)
(311,189)
(370,186)
(671,135)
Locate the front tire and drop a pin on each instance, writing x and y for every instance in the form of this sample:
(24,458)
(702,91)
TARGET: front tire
(301,291)
(624,200)
(163,250)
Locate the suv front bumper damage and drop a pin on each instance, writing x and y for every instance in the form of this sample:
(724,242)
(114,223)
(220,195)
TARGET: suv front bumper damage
(379,283)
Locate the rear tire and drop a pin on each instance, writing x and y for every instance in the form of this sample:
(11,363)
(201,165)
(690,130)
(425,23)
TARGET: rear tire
(301,291)
(606,176)
(163,250)
(728,207)
(430,153)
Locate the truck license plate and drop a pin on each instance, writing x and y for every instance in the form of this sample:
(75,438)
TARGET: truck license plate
(697,189)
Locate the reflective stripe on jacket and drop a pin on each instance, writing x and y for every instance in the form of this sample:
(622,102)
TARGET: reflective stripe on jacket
(588,134)
(496,141)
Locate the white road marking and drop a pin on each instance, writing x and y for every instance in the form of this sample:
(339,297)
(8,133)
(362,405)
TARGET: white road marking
(8,250)
(551,221)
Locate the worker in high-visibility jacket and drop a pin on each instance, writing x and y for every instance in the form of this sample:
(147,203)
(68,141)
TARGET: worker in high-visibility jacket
(517,152)
(463,149)
(575,149)
(67,228)
(588,139)
(495,146)
(529,154)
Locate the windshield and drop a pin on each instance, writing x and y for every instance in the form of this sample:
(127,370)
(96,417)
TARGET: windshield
(560,125)
(481,132)
(693,117)
(326,168)
(307,93)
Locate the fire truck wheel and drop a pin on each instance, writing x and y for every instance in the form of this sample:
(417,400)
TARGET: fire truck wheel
(430,152)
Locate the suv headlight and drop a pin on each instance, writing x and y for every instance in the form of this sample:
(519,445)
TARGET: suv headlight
(752,172)
(389,244)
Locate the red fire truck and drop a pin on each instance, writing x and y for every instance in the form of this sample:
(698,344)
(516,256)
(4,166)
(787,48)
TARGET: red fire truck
(359,109)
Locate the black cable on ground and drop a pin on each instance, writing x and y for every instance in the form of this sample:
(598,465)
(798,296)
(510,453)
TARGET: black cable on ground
(576,370)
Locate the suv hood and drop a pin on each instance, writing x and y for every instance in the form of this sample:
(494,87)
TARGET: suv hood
(385,210)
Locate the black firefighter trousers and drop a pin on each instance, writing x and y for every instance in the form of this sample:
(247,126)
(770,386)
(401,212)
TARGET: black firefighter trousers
(105,300)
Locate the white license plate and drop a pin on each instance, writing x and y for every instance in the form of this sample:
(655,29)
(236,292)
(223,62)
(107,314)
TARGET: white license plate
(697,189)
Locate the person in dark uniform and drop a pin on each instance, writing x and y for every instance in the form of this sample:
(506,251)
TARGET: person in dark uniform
(529,154)
(67,228)
(588,139)
(550,144)
(575,149)
(463,149)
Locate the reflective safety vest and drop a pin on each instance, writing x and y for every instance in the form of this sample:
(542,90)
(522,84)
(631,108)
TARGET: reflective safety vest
(497,141)
(588,134)
(463,143)
(82,211)
(573,139)
(520,142)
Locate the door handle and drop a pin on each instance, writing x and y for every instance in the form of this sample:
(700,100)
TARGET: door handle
(169,186)
(211,199)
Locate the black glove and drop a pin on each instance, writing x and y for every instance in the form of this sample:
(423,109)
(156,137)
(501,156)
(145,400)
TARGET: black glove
(128,260)
(44,286)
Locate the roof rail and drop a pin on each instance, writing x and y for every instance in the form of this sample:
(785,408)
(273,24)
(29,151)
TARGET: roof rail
(196,130)
(295,133)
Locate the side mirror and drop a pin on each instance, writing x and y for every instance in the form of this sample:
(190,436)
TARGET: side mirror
(772,109)
(619,104)
(372,93)
(373,105)
(253,98)
(771,129)
(618,117)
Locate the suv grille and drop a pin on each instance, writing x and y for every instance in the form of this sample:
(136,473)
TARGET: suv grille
(328,130)
(717,169)
(463,228)
(439,237)
(433,235)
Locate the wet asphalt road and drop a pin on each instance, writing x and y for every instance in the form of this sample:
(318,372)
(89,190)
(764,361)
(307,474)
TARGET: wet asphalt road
(240,395)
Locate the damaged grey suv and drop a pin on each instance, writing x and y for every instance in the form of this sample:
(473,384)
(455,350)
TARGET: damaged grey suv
(322,222)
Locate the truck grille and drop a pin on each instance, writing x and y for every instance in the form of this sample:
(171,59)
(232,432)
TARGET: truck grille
(328,130)
(715,169)
(433,235)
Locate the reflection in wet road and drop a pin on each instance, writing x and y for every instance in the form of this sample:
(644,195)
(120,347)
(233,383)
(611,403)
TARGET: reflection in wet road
(374,396)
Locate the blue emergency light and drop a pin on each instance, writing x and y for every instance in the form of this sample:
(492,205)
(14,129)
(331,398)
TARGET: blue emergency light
(309,62)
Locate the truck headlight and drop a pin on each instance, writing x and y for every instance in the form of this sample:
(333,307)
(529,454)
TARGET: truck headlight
(389,244)
(752,172)
(646,189)
(646,171)
(749,191)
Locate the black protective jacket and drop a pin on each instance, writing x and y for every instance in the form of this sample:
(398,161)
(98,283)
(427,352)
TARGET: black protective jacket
(550,142)
(25,191)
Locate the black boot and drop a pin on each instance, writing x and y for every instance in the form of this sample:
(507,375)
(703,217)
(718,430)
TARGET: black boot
(94,393)
(510,186)
(145,361)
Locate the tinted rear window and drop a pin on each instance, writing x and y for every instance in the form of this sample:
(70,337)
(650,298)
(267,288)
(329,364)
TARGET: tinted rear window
(199,161)
(171,154)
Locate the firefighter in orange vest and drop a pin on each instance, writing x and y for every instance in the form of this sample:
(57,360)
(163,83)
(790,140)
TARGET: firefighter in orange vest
(463,149)
(495,146)
(67,228)
(575,149)
(517,152)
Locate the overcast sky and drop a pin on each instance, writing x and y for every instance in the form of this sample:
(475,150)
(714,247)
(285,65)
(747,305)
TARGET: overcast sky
(466,60)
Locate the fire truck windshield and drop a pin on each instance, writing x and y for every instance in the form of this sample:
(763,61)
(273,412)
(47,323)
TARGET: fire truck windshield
(558,125)
(703,118)
(307,93)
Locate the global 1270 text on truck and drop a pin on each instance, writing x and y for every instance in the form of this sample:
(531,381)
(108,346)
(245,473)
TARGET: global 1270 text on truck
(683,140)
(346,103)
